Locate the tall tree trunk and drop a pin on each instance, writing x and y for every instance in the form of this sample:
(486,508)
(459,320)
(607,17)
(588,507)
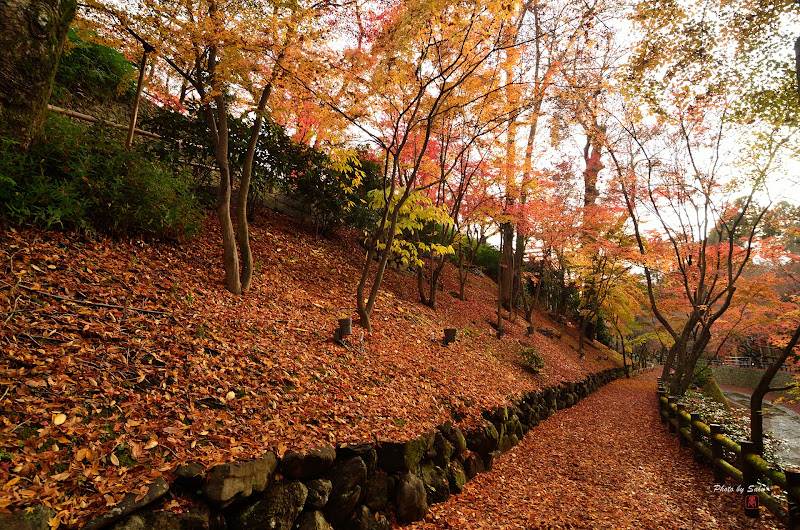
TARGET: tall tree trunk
(229,250)
(507,261)
(595,139)
(462,272)
(423,298)
(32,35)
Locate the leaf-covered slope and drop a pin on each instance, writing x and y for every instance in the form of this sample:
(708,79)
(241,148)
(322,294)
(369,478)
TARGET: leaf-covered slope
(99,398)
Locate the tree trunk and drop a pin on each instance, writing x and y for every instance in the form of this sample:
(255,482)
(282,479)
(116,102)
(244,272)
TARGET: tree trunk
(365,306)
(229,250)
(32,35)
(462,272)
(757,399)
(797,65)
(507,261)
(624,359)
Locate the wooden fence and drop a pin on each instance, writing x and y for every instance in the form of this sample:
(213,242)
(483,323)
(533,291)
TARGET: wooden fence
(709,445)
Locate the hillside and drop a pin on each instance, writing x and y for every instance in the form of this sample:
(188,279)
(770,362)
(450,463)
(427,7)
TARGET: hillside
(122,360)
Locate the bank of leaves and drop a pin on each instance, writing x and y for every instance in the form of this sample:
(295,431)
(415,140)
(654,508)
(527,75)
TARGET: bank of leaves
(123,359)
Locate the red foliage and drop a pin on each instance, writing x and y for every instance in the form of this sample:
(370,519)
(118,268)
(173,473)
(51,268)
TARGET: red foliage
(605,463)
(99,399)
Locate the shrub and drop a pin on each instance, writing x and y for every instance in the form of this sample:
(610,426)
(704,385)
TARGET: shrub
(92,71)
(700,376)
(488,259)
(531,358)
(83,177)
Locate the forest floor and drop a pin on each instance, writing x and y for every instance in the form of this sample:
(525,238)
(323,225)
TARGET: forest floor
(607,462)
(122,359)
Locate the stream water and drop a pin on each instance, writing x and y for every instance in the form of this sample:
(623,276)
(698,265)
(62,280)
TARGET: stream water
(782,422)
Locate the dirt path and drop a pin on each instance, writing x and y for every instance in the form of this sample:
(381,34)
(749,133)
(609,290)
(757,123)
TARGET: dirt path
(605,463)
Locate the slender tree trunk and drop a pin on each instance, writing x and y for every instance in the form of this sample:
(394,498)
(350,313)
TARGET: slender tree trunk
(762,389)
(421,285)
(462,272)
(507,261)
(624,360)
(229,250)
(436,273)
(500,277)
(365,306)
(32,35)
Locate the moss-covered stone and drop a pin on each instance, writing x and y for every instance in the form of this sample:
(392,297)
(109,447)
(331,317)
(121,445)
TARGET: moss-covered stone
(34,519)
(456,476)
(483,440)
(396,457)
(442,451)
(276,509)
(437,486)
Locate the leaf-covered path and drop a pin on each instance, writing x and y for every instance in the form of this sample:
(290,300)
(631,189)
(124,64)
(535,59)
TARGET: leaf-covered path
(607,462)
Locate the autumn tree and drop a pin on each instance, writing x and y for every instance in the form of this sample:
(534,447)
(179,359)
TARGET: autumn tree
(32,36)
(463,140)
(231,54)
(603,264)
(703,77)
(701,245)
(546,33)
(403,74)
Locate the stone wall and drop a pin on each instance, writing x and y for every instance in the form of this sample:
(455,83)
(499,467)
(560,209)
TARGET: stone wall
(286,205)
(350,487)
(748,377)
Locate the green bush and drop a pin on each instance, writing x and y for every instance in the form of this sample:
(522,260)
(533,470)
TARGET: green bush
(488,259)
(280,164)
(531,358)
(92,71)
(83,177)
(700,376)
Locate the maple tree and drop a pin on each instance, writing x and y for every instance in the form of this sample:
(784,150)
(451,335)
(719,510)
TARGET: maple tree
(544,33)
(703,245)
(231,54)
(404,73)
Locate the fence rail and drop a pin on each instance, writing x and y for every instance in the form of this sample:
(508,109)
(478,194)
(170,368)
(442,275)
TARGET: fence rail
(745,361)
(709,444)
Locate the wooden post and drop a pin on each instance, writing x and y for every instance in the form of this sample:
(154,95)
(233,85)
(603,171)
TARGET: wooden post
(135,113)
(682,425)
(793,481)
(696,437)
(671,412)
(750,497)
(716,453)
(662,406)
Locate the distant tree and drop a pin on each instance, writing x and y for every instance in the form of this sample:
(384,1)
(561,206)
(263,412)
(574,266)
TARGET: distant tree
(32,35)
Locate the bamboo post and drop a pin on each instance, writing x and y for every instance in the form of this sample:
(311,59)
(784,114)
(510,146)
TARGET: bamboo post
(137,99)
(792,482)
(716,453)
(696,437)
(671,413)
(748,480)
